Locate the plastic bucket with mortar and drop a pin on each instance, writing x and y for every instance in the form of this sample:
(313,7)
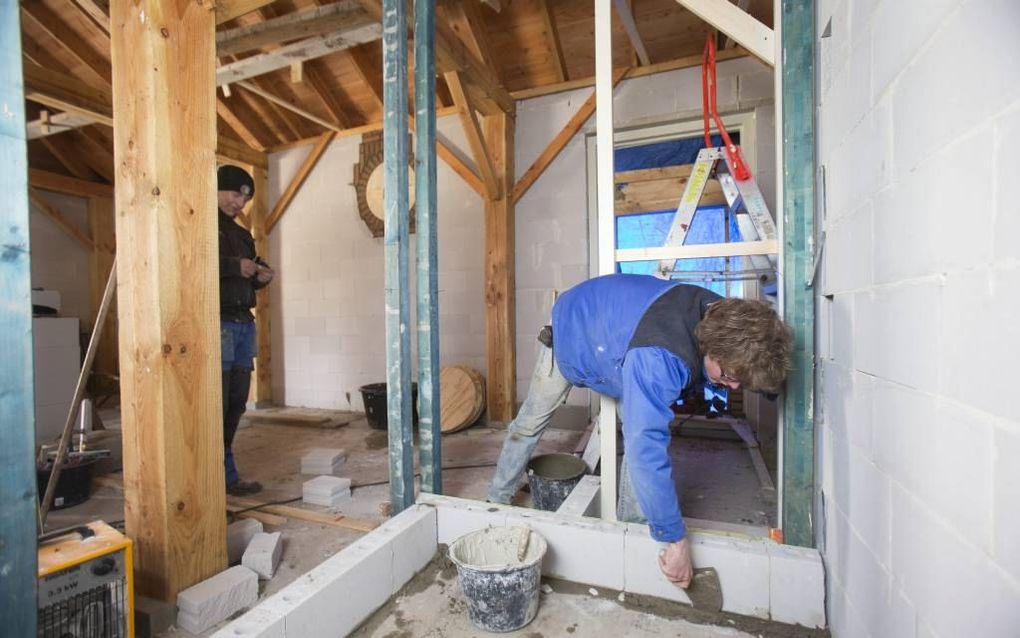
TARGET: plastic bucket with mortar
(501,589)
(552,477)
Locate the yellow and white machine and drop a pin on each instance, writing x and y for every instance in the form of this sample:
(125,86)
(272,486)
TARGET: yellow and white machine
(85,584)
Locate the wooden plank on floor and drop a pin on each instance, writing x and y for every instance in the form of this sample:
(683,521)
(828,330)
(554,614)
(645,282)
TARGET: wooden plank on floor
(290,511)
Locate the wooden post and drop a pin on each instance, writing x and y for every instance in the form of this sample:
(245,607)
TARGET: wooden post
(798,205)
(427,320)
(500,322)
(17,408)
(104,247)
(605,172)
(396,239)
(164,59)
(262,380)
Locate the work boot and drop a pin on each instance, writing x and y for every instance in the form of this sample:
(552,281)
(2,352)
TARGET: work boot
(244,488)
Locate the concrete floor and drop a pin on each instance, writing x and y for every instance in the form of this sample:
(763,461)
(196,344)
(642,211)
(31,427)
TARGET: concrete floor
(715,480)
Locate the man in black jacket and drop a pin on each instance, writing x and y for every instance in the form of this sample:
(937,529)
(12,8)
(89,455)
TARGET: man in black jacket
(242,272)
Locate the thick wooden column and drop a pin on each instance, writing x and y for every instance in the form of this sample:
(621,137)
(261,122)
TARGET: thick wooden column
(500,330)
(104,247)
(262,380)
(164,147)
(17,405)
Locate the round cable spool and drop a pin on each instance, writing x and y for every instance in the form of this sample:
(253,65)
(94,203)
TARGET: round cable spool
(461,397)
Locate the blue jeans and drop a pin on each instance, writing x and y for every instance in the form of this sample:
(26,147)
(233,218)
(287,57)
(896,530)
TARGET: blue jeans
(548,391)
(237,351)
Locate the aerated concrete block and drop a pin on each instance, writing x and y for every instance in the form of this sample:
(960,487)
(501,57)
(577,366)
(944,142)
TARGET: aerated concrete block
(796,585)
(263,554)
(323,460)
(461,516)
(573,544)
(641,566)
(239,534)
(414,531)
(215,599)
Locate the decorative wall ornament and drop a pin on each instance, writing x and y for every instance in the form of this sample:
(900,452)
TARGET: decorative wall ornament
(369,177)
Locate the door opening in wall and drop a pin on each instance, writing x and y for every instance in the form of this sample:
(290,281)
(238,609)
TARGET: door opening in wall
(717,438)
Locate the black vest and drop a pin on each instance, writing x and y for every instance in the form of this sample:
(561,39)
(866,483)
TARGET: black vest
(669,324)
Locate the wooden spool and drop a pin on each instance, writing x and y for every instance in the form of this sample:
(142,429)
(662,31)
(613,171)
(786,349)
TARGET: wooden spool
(461,397)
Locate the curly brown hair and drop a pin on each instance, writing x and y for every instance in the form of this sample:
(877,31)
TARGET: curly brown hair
(749,341)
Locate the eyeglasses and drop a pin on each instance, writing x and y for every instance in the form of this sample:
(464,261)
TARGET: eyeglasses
(727,378)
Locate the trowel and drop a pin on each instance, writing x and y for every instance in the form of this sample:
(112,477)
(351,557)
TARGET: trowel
(705,592)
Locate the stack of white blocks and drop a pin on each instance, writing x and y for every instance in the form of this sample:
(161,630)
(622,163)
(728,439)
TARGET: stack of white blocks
(323,460)
(215,599)
(328,491)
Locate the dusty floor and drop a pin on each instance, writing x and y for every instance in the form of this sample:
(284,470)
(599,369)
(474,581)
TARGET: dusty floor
(715,479)
(432,606)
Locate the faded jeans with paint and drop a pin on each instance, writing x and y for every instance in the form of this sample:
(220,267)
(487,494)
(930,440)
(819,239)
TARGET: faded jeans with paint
(548,391)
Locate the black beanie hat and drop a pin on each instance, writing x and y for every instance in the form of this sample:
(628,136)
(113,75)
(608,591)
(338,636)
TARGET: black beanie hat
(235,178)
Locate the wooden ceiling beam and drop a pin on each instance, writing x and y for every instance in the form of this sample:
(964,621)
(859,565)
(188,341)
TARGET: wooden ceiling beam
(94,153)
(98,12)
(292,26)
(230,151)
(269,97)
(63,223)
(236,124)
(742,27)
(57,183)
(637,72)
(47,20)
(56,123)
(61,91)
(626,15)
(60,147)
(227,10)
(315,77)
(465,18)
(476,140)
(552,39)
(359,59)
(284,115)
(453,55)
(364,29)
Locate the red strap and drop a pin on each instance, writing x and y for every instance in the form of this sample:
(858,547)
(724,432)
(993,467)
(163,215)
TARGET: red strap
(710,108)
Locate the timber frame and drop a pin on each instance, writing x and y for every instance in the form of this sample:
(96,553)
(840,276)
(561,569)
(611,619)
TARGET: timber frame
(460,70)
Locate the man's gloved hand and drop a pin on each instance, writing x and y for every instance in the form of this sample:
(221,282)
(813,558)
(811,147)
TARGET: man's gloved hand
(675,563)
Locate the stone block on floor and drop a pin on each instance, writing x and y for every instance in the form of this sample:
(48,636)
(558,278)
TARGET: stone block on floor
(215,599)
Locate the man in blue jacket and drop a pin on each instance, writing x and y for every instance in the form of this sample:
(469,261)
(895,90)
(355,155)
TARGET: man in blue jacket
(645,342)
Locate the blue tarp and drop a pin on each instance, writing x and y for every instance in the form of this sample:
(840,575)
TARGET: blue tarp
(645,230)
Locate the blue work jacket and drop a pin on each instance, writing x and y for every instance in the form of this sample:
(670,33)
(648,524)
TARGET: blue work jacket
(593,325)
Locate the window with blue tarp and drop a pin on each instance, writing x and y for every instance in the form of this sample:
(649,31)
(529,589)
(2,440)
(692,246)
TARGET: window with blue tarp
(649,229)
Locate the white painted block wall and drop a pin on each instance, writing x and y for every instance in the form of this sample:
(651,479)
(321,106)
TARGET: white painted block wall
(552,217)
(59,262)
(920,430)
(328,297)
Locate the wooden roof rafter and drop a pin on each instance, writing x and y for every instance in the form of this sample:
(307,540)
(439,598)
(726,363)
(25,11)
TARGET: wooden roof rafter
(552,38)
(68,39)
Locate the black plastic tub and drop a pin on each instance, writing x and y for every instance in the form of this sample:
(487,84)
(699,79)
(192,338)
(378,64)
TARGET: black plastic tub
(374,396)
(73,487)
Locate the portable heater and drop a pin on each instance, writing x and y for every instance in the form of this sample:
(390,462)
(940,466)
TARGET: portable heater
(85,586)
